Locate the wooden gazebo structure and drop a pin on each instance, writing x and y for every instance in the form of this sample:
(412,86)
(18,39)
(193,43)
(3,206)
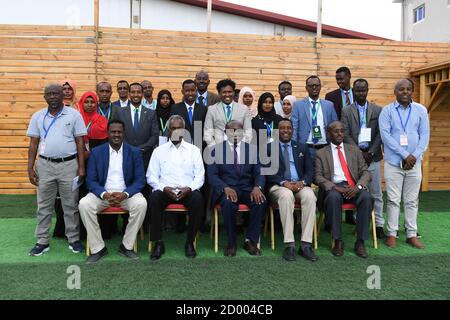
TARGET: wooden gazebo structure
(435,95)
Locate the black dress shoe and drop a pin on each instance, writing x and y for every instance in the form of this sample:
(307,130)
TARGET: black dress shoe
(289,254)
(252,248)
(360,250)
(190,250)
(157,251)
(308,253)
(380,233)
(130,254)
(338,249)
(93,258)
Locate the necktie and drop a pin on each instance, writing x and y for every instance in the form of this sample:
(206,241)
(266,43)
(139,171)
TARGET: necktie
(314,119)
(347,98)
(344,166)
(136,120)
(200,101)
(235,156)
(190,115)
(287,165)
(228,113)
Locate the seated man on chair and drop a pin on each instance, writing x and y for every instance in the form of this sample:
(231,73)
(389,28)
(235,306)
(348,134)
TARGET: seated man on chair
(176,174)
(235,177)
(341,172)
(115,177)
(292,183)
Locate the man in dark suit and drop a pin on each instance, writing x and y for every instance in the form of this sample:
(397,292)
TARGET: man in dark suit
(235,177)
(360,120)
(141,125)
(192,113)
(343,95)
(115,177)
(341,172)
(292,183)
(204,97)
(123,90)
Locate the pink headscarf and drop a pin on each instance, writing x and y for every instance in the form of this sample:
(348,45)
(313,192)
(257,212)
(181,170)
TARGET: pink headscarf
(254,107)
(292,100)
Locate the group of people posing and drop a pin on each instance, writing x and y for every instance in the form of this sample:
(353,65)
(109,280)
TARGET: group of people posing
(143,154)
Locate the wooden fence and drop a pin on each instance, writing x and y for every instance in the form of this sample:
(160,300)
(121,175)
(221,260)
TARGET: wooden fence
(33,56)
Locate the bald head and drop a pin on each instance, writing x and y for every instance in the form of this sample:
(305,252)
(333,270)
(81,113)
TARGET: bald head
(234,131)
(403,82)
(148,89)
(202,81)
(403,92)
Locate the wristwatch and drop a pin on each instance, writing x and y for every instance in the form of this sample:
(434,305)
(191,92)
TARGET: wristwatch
(361,187)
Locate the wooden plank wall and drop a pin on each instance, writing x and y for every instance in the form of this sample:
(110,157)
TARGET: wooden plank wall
(33,56)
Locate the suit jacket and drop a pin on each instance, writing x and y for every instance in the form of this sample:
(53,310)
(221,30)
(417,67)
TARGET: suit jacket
(355,162)
(336,97)
(302,160)
(199,116)
(215,122)
(212,98)
(98,166)
(301,118)
(350,119)
(146,139)
(117,103)
(222,172)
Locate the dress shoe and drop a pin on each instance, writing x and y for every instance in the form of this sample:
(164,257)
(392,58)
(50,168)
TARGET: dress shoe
(158,250)
(93,258)
(360,250)
(130,254)
(190,250)
(230,251)
(251,248)
(380,233)
(415,242)
(338,249)
(289,254)
(391,241)
(349,219)
(308,253)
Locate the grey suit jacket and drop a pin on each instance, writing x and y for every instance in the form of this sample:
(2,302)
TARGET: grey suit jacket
(212,99)
(355,162)
(146,139)
(215,122)
(350,119)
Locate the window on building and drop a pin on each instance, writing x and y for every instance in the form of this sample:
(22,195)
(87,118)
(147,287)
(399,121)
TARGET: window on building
(419,13)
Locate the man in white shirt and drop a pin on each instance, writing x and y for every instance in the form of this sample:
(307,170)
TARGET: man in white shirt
(148,100)
(176,174)
(115,177)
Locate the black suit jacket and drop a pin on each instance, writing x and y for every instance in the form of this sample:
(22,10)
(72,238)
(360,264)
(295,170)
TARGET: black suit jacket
(302,159)
(146,139)
(335,97)
(222,173)
(198,116)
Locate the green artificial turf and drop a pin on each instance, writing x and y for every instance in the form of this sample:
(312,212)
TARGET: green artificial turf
(406,272)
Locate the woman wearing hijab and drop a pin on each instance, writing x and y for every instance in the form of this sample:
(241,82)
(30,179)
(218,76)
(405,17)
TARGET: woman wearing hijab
(163,110)
(267,119)
(247,97)
(96,125)
(288,104)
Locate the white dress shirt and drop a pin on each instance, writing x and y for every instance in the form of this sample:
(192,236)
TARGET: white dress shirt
(338,175)
(238,150)
(115,181)
(190,106)
(133,108)
(176,167)
(320,123)
(123,104)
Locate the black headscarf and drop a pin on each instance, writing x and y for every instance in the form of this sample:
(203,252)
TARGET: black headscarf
(164,113)
(268,117)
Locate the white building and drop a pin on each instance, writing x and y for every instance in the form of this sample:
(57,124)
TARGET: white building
(178,15)
(425,20)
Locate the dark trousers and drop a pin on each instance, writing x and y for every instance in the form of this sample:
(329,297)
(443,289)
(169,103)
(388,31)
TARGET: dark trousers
(229,210)
(333,212)
(158,201)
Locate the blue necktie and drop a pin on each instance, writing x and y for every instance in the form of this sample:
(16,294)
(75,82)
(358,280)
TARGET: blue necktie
(228,113)
(190,115)
(136,120)
(314,119)
(287,164)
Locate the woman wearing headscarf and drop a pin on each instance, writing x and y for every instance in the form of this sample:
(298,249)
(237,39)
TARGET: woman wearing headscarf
(288,104)
(164,103)
(267,119)
(247,97)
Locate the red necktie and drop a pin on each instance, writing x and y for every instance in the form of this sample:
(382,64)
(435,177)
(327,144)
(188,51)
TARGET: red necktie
(347,98)
(344,166)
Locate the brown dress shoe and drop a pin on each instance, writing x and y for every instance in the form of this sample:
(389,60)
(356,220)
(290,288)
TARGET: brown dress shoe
(251,248)
(415,242)
(360,250)
(338,249)
(391,241)
(230,251)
